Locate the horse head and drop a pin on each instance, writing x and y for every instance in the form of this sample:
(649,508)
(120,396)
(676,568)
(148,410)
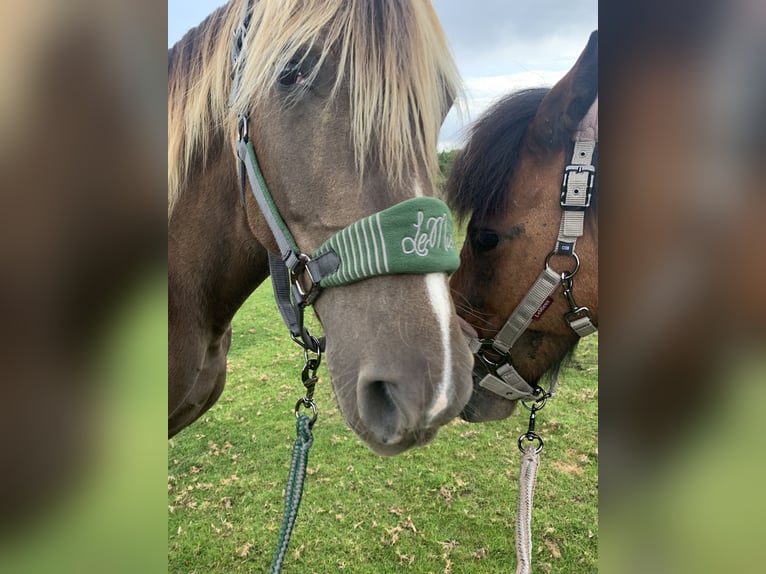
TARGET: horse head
(343,103)
(509,177)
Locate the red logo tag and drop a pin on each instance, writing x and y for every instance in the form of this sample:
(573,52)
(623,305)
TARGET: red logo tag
(542,309)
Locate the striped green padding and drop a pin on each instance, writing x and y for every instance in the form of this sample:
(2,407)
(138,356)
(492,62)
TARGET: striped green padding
(414,236)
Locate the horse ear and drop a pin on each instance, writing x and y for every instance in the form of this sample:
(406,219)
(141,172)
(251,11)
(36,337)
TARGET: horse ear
(569,100)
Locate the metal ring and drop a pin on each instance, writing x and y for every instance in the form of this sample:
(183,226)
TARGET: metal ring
(310,295)
(542,399)
(314,341)
(307,404)
(535,406)
(531,436)
(489,363)
(566,275)
(317,351)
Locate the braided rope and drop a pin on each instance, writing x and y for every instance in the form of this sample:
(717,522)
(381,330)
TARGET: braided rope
(530,461)
(294,488)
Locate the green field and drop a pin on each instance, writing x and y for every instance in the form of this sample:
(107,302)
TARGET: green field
(447,507)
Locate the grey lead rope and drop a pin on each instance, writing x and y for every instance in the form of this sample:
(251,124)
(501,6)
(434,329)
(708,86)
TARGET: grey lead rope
(530,461)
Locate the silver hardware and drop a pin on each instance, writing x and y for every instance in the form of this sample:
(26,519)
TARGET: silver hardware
(307,296)
(567,274)
(588,187)
(531,436)
(309,404)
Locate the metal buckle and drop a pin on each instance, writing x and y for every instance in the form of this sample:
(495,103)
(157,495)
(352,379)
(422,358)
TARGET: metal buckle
(488,363)
(242,126)
(307,297)
(588,186)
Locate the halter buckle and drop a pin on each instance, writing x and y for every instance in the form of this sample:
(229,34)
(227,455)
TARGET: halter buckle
(568,170)
(306,297)
(490,364)
(242,128)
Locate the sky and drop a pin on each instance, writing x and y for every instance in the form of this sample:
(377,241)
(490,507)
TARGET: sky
(499,45)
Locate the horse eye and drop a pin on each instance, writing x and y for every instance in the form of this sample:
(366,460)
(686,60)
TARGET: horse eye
(292,74)
(485,240)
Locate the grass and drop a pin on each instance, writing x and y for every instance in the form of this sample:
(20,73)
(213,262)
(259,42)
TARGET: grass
(447,507)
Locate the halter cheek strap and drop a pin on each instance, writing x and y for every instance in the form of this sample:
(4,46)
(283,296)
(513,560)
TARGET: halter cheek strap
(577,189)
(579,180)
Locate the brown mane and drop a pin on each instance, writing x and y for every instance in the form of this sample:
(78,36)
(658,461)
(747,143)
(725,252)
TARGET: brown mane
(479,178)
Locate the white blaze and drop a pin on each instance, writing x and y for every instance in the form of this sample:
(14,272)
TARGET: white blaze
(438,295)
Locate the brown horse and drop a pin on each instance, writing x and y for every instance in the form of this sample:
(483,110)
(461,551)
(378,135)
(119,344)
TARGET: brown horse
(509,178)
(345,100)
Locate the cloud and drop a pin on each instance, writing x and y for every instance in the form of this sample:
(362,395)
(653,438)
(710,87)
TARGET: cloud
(501,48)
(492,37)
(481,93)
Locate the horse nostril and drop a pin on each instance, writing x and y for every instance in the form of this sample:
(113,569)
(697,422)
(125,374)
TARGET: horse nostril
(380,411)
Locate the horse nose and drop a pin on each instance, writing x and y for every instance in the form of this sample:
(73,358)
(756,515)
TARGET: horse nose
(385,409)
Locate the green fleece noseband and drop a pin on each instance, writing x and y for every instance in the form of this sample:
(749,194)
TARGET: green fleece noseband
(414,236)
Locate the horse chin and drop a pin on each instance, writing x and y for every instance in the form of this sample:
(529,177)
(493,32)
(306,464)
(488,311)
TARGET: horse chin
(483,405)
(384,413)
(486,406)
(389,432)
(406,442)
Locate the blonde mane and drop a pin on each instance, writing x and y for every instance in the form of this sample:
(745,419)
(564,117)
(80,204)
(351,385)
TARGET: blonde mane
(393,54)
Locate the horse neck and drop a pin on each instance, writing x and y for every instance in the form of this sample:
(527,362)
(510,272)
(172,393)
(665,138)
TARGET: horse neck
(214,261)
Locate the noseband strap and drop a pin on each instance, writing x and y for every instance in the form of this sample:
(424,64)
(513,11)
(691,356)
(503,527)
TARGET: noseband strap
(501,377)
(413,236)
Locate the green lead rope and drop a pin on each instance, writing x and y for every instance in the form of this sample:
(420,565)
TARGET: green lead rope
(294,488)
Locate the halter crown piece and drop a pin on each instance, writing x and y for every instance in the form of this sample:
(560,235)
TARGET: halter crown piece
(414,236)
